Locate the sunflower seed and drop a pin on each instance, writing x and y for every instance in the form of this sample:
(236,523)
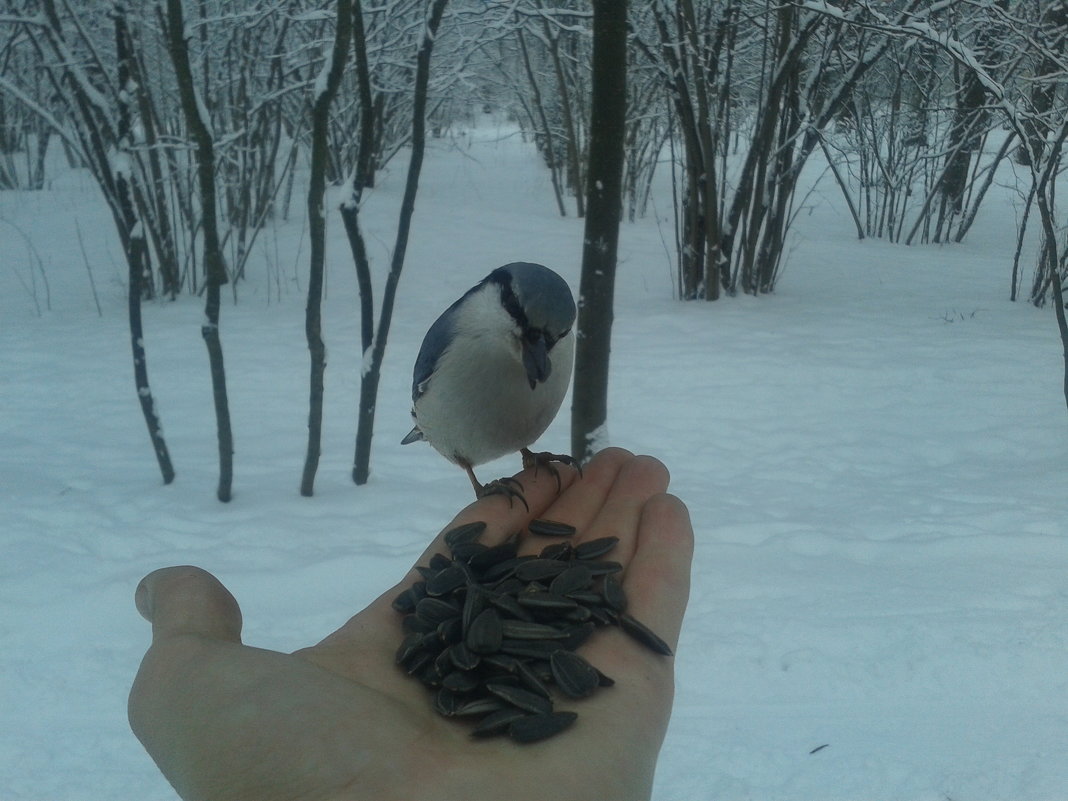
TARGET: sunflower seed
(550,528)
(418,661)
(557,550)
(431,675)
(613,593)
(575,677)
(406,601)
(445,702)
(474,603)
(493,555)
(544,600)
(490,632)
(517,696)
(531,728)
(497,722)
(510,606)
(410,645)
(467,532)
(643,634)
(439,561)
(541,668)
(435,610)
(414,623)
(537,569)
(533,649)
(603,616)
(500,662)
(442,665)
(577,635)
(503,569)
(571,580)
(530,679)
(461,681)
(580,614)
(603,568)
(525,630)
(485,633)
(595,548)
(465,551)
(482,706)
(450,631)
(447,580)
(588,597)
(463,657)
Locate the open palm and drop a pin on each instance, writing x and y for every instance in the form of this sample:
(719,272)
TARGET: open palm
(339,720)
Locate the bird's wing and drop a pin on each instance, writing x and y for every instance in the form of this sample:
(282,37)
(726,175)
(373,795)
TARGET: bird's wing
(435,343)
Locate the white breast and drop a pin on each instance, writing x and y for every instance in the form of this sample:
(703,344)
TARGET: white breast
(478,404)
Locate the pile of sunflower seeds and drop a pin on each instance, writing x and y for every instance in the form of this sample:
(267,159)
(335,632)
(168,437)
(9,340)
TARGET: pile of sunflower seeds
(489,631)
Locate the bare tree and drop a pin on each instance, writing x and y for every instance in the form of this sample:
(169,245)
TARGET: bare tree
(79,89)
(1042,129)
(552,49)
(214,261)
(325,89)
(589,409)
(374,354)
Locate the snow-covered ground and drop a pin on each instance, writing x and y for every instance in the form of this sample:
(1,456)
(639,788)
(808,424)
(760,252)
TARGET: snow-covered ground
(876,460)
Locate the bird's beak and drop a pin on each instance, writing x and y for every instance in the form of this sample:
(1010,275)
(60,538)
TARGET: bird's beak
(536,359)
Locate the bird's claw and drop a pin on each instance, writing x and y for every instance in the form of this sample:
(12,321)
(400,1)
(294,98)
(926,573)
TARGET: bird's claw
(545,459)
(508,487)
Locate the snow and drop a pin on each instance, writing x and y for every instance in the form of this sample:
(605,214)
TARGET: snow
(874,458)
(322,78)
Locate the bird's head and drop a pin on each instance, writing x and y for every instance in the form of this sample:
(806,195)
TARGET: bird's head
(543,309)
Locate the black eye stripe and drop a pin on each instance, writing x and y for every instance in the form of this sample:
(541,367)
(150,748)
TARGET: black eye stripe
(515,311)
(511,304)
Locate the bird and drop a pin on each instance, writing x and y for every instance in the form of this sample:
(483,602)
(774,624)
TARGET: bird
(493,370)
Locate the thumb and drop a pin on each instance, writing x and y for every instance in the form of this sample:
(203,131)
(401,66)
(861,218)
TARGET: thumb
(188,600)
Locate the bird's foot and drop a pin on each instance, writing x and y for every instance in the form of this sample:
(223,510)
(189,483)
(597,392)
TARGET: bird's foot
(508,487)
(545,459)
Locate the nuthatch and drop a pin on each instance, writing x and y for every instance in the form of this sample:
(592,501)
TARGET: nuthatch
(493,370)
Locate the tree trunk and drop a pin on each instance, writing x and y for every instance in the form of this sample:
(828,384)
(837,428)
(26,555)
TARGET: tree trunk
(214,263)
(136,257)
(1062,323)
(327,89)
(1052,34)
(572,149)
(361,468)
(542,120)
(589,409)
(365,158)
(362,179)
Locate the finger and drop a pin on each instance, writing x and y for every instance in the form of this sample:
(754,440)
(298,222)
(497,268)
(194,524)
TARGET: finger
(188,600)
(503,516)
(657,580)
(619,512)
(580,503)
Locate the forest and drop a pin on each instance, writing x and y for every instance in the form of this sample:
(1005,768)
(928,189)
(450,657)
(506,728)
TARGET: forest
(201,122)
(841,239)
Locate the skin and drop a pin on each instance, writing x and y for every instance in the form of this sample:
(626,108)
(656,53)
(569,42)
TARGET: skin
(339,720)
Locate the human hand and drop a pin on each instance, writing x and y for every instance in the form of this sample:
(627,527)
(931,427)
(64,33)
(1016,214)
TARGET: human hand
(339,720)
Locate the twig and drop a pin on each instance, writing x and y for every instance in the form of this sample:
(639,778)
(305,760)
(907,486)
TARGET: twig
(88,268)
